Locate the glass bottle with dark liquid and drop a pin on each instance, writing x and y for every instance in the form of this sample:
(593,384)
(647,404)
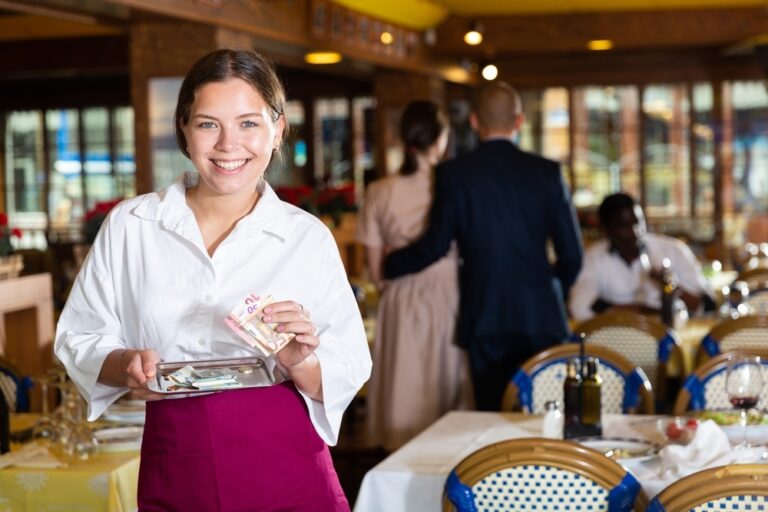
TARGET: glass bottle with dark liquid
(572,400)
(592,400)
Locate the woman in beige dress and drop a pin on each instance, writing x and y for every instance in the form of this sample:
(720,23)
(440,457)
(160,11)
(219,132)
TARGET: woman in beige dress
(419,373)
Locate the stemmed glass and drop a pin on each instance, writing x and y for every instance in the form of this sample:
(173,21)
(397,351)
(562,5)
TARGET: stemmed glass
(744,384)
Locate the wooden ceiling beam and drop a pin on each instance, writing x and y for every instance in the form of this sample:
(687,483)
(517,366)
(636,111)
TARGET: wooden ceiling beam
(559,33)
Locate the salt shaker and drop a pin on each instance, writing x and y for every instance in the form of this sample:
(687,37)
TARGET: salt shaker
(552,425)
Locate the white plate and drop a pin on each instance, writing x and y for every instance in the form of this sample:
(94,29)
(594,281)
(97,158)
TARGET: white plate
(119,439)
(756,434)
(624,450)
(126,411)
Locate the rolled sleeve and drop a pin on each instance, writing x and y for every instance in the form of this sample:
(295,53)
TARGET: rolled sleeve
(88,331)
(345,361)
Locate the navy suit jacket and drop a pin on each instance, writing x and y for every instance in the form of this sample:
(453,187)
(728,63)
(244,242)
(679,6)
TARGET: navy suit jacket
(502,206)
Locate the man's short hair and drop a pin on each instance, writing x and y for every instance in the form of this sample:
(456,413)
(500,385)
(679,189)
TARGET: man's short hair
(497,106)
(612,205)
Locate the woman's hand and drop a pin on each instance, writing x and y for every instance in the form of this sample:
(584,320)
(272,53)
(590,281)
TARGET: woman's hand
(139,367)
(298,356)
(291,317)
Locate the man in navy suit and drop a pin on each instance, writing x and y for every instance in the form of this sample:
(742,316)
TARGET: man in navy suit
(502,206)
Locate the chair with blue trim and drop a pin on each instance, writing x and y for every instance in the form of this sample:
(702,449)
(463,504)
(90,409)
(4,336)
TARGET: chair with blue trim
(14,386)
(642,339)
(625,389)
(734,488)
(746,332)
(705,387)
(538,475)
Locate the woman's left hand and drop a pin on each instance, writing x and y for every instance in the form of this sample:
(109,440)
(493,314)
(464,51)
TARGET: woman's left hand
(292,317)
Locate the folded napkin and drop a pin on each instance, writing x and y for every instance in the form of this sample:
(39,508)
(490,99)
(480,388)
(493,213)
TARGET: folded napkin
(708,448)
(31,455)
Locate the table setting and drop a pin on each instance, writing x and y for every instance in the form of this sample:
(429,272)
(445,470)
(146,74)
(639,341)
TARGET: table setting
(412,478)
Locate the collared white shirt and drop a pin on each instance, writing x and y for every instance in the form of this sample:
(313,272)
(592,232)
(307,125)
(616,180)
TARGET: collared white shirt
(149,283)
(606,275)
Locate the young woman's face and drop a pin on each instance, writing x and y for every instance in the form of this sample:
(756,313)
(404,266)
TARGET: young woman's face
(231,136)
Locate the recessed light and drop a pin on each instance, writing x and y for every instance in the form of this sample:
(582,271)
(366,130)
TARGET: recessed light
(600,45)
(490,72)
(386,37)
(322,57)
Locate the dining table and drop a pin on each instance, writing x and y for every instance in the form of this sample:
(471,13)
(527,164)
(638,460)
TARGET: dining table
(412,478)
(106,481)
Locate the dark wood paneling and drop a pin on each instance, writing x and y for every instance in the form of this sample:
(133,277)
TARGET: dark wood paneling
(538,34)
(627,68)
(43,57)
(65,92)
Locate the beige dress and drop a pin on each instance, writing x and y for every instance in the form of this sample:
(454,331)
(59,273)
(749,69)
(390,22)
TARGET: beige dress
(418,372)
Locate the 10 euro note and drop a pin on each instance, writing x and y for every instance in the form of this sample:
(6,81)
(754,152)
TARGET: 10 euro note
(246,321)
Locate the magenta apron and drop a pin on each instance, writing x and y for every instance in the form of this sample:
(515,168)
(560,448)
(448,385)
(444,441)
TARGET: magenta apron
(246,450)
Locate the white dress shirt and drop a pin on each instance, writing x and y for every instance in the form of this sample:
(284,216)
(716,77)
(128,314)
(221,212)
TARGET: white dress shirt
(149,283)
(606,275)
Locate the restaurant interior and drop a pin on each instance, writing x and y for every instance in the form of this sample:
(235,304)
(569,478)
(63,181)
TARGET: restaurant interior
(666,100)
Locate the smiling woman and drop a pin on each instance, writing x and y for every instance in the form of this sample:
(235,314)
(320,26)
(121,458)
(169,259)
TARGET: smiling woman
(163,274)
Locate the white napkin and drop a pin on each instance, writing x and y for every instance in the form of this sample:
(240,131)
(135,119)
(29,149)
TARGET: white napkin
(31,455)
(708,448)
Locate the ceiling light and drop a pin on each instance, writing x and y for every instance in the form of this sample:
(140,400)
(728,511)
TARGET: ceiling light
(490,72)
(322,57)
(386,37)
(474,35)
(600,44)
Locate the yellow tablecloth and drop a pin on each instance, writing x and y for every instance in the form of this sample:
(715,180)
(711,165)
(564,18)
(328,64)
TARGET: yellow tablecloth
(106,482)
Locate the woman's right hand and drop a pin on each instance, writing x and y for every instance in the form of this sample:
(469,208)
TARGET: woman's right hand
(140,367)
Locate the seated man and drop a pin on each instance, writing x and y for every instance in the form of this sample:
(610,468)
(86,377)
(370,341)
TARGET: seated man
(625,269)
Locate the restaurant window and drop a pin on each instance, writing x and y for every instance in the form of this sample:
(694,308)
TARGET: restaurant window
(25,175)
(745,187)
(65,195)
(605,144)
(125,147)
(287,168)
(665,150)
(167,161)
(81,154)
(332,138)
(546,127)
(704,146)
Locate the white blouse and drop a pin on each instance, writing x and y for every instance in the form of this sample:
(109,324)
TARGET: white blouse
(605,275)
(149,283)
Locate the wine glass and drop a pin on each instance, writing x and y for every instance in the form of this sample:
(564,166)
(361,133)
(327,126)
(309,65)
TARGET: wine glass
(744,384)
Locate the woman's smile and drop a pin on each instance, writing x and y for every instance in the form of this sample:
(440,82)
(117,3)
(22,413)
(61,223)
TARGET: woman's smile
(230,166)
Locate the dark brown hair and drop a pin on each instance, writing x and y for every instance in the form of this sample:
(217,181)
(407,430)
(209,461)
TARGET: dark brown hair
(219,66)
(421,125)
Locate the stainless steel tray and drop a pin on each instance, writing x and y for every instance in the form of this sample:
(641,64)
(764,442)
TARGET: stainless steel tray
(251,372)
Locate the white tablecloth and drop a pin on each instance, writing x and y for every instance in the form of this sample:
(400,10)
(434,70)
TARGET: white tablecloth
(412,478)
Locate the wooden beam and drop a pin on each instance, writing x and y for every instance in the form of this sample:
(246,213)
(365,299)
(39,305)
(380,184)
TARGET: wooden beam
(558,33)
(617,68)
(69,56)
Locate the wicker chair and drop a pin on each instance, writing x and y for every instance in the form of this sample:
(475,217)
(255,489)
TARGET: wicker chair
(14,386)
(533,474)
(747,332)
(540,379)
(754,277)
(643,340)
(705,387)
(734,488)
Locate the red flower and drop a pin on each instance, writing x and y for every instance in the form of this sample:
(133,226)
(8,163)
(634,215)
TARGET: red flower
(16,232)
(3,219)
